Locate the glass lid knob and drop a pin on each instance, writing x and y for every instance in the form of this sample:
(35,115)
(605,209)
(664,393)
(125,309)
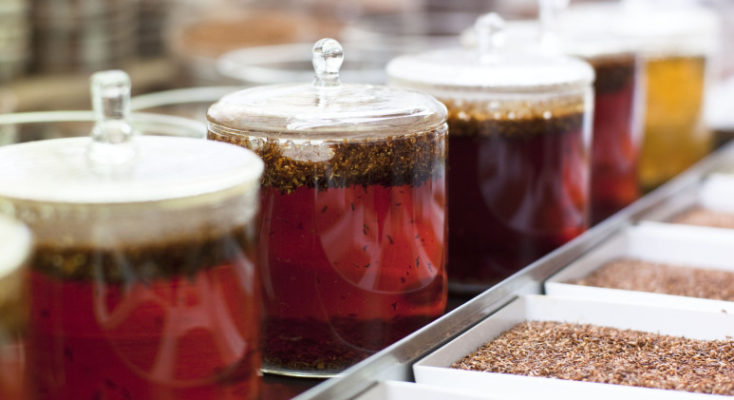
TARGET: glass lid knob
(112,136)
(549,11)
(490,33)
(328,56)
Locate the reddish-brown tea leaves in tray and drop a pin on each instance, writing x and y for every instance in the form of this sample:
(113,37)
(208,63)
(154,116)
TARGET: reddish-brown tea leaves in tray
(703,217)
(607,355)
(631,274)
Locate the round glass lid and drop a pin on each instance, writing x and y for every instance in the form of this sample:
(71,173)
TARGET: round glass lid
(558,31)
(490,66)
(650,25)
(118,165)
(327,108)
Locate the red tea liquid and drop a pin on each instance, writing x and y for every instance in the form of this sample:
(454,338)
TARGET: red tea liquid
(614,182)
(518,189)
(347,271)
(192,335)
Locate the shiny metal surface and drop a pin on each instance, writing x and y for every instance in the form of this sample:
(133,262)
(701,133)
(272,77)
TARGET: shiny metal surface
(395,362)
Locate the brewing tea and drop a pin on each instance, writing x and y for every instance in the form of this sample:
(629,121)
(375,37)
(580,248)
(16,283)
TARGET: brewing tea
(353,230)
(675,137)
(518,188)
(519,137)
(143,283)
(172,318)
(352,249)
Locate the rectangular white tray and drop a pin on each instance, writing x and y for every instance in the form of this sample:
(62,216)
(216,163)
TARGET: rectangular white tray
(716,193)
(655,242)
(397,390)
(435,368)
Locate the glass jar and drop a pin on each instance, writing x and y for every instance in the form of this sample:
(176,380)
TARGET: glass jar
(142,282)
(676,43)
(518,151)
(353,229)
(15,248)
(618,95)
(618,102)
(617,133)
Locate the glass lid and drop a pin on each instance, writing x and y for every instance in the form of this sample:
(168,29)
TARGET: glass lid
(650,25)
(491,66)
(327,108)
(117,165)
(556,31)
(289,63)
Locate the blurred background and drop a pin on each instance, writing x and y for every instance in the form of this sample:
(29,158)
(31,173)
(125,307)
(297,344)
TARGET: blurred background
(48,48)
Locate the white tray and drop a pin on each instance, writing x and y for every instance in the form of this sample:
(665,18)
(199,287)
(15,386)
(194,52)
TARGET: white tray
(434,369)
(656,242)
(397,390)
(715,193)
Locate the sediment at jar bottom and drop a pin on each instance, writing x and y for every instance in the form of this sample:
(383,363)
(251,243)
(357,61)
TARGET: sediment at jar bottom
(396,160)
(331,346)
(152,329)
(517,188)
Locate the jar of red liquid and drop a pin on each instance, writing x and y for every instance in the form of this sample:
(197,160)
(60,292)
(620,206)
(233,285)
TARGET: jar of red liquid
(617,127)
(518,151)
(15,248)
(617,132)
(353,199)
(618,100)
(143,283)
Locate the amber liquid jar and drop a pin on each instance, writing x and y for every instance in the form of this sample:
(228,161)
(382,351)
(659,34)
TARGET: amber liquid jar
(675,137)
(353,227)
